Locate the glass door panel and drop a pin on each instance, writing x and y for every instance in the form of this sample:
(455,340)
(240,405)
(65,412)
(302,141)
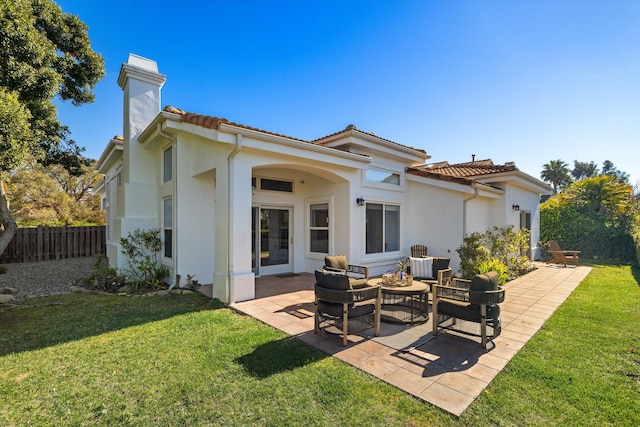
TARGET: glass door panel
(272,243)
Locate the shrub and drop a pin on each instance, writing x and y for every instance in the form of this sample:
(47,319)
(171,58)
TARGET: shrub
(496,265)
(103,277)
(472,253)
(142,248)
(498,245)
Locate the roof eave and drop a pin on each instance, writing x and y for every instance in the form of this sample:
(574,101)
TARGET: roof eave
(112,151)
(517,176)
(292,142)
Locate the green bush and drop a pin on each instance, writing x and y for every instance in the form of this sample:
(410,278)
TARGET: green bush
(502,247)
(472,253)
(496,265)
(597,216)
(103,277)
(142,248)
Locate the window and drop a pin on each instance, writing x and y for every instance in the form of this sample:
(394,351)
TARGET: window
(167,225)
(276,185)
(382,176)
(382,228)
(319,228)
(167,165)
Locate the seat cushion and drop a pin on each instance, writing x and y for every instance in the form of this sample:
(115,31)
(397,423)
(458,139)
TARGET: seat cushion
(358,283)
(336,261)
(466,311)
(484,282)
(335,309)
(421,268)
(439,263)
(332,280)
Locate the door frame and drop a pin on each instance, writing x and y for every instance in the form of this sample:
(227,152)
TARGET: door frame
(257,268)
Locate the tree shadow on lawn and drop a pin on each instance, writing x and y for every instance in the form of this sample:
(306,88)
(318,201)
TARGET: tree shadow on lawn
(279,356)
(47,321)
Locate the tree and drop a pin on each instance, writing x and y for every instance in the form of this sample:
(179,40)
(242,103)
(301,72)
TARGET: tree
(606,196)
(51,195)
(44,53)
(556,172)
(583,170)
(597,215)
(609,169)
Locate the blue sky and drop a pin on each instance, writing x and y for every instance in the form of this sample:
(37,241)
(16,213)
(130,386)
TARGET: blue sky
(522,81)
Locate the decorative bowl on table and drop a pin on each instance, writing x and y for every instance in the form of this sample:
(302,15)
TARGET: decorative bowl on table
(396,280)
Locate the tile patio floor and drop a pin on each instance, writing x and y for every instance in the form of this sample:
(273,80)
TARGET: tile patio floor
(449,371)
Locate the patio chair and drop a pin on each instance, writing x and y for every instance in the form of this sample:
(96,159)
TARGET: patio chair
(340,309)
(560,256)
(473,301)
(426,269)
(418,251)
(358,274)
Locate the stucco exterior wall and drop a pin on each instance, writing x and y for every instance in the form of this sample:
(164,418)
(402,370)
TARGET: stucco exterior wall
(434,218)
(194,213)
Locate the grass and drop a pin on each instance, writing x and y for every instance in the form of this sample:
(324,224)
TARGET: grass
(582,367)
(86,359)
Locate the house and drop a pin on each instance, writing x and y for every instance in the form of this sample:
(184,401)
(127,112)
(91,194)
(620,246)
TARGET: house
(234,202)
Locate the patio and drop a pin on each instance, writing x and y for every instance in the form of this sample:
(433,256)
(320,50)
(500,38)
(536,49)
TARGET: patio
(448,371)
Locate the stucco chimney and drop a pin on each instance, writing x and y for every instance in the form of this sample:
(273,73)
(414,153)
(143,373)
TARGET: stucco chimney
(141,83)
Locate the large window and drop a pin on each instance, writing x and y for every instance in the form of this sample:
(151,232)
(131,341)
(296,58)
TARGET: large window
(167,226)
(167,174)
(319,228)
(382,228)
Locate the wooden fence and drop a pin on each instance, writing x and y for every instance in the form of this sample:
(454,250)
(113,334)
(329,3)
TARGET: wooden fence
(49,243)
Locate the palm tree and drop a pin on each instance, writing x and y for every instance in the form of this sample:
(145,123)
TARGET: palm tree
(557,173)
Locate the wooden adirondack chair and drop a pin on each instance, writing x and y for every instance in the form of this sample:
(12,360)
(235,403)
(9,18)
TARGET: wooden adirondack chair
(562,256)
(418,251)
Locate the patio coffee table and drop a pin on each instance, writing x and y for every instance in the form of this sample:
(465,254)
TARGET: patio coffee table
(404,304)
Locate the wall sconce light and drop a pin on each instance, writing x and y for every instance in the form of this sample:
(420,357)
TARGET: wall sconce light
(516,207)
(360,201)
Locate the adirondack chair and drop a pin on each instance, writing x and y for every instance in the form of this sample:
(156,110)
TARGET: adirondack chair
(562,256)
(418,251)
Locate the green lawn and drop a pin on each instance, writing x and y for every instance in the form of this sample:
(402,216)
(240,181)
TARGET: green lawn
(88,359)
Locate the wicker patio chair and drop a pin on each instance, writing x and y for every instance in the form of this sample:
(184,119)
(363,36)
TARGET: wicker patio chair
(437,264)
(340,309)
(475,301)
(358,274)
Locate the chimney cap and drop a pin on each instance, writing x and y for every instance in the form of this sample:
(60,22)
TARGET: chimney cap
(141,62)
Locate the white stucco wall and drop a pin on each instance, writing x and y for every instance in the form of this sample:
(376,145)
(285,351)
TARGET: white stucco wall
(194,214)
(434,218)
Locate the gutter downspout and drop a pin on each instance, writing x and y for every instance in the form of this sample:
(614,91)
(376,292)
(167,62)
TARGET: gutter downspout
(476,193)
(174,197)
(230,159)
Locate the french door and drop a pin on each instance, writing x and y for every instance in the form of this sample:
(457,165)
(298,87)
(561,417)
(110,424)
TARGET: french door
(271,232)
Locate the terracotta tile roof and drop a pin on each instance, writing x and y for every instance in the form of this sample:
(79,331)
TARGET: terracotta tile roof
(354,128)
(212,122)
(464,173)
(473,169)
